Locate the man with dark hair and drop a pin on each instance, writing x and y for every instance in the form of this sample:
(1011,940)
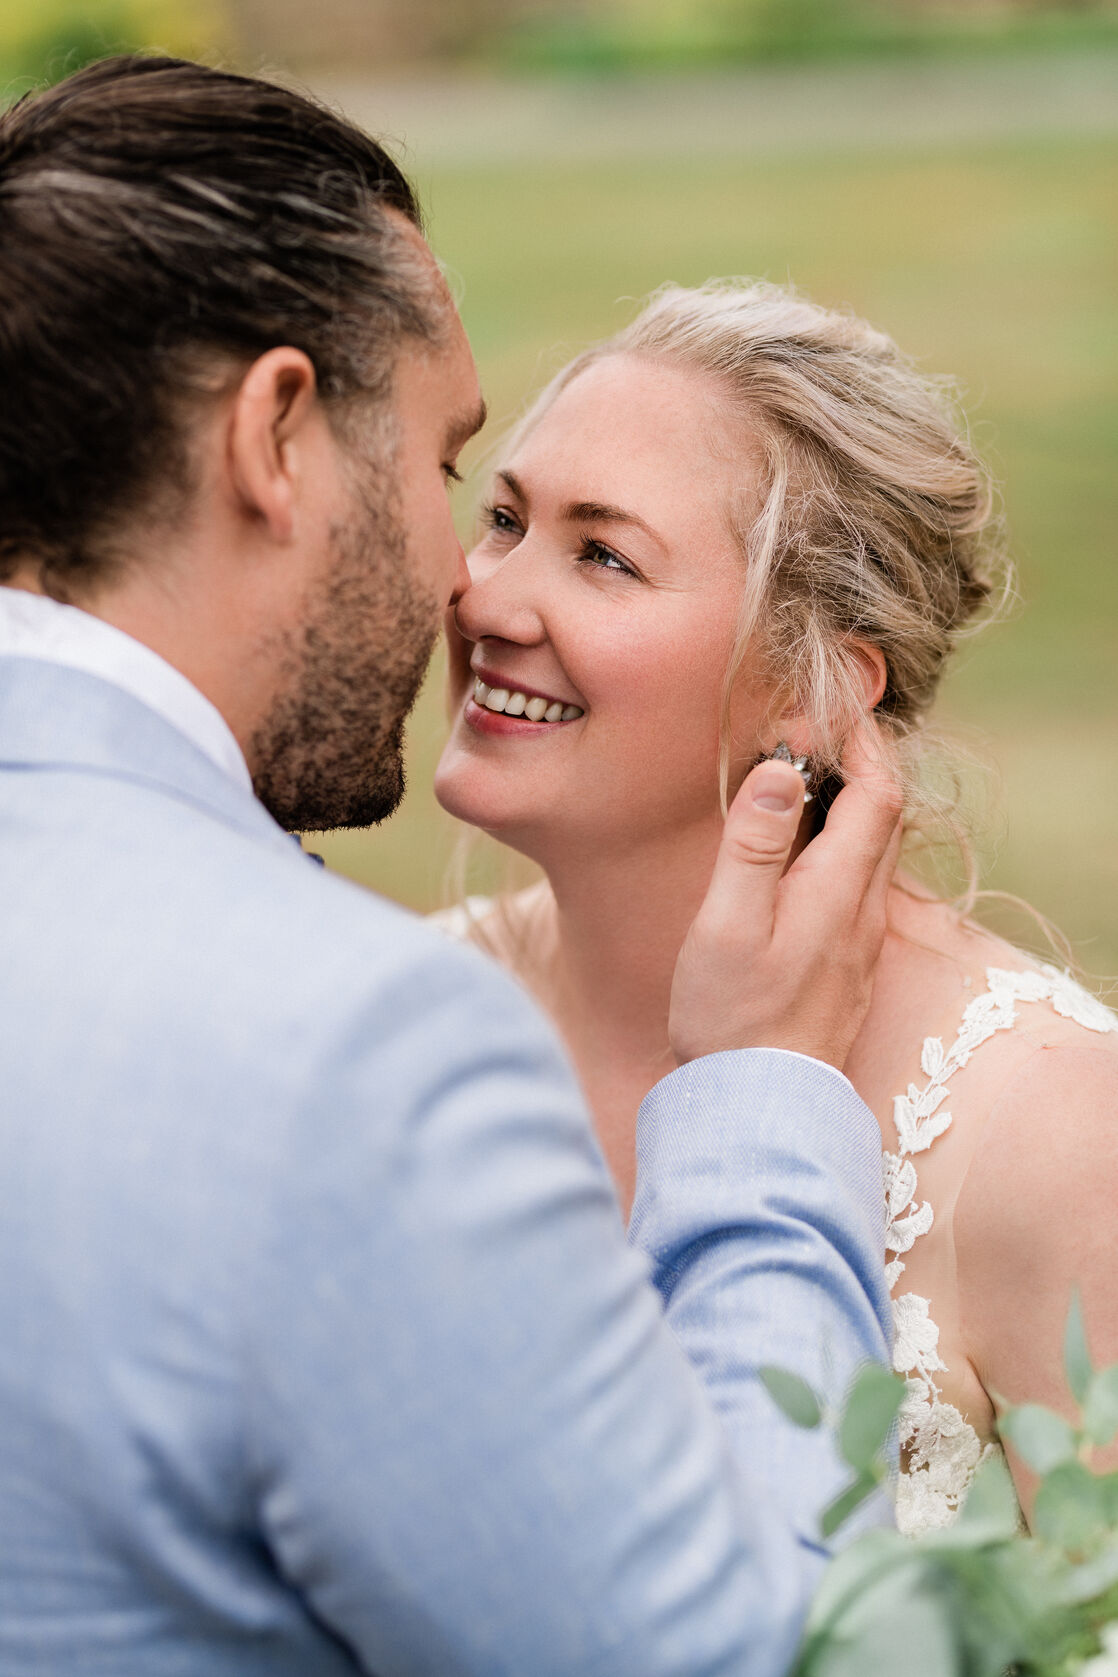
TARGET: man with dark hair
(321,1348)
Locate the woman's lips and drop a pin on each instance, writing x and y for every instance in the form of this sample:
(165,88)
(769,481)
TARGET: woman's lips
(533,706)
(484,721)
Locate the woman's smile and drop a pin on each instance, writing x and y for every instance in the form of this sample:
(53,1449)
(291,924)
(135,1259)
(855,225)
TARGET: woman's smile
(604,597)
(496,696)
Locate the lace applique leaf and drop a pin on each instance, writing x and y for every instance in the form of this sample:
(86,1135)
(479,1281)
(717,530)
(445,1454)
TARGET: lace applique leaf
(916,1129)
(932,1056)
(941,1449)
(1072,1001)
(900,1184)
(915,1349)
(904,1232)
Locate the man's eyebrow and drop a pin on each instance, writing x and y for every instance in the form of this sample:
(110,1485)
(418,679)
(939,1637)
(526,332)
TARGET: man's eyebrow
(465,426)
(587,512)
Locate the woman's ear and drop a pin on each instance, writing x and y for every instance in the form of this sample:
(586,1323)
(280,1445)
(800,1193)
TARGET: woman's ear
(866,666)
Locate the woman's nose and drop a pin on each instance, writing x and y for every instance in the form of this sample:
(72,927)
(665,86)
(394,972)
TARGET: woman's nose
(503,599)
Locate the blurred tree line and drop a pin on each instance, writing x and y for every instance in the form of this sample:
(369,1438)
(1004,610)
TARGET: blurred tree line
(56,36)
(53,37)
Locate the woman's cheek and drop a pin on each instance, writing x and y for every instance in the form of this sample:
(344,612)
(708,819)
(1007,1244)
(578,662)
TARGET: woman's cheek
(458,650)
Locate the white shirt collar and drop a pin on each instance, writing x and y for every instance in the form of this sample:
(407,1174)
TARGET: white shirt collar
(33,626)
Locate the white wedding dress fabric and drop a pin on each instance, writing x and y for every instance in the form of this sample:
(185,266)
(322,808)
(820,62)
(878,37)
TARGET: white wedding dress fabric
(940,1449)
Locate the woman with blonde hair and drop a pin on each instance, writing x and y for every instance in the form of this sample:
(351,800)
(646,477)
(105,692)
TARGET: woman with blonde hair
(738,527)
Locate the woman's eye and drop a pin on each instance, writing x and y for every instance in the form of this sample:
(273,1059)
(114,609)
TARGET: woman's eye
(499,518)
(594,553)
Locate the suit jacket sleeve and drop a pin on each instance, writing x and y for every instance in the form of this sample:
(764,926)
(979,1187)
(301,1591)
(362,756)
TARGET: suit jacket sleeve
(478,1446)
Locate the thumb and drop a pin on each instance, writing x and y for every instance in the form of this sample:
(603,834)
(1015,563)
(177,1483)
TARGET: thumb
(756,843)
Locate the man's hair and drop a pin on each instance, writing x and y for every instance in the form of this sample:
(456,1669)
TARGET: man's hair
(160,222)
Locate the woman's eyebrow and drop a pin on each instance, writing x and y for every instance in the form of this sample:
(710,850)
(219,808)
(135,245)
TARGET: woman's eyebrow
(587,512)
(600,512)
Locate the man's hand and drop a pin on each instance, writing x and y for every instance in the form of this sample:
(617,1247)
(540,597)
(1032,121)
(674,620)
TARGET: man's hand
(779,959)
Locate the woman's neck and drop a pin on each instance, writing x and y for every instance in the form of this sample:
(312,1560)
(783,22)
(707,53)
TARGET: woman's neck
(601,942)
(617,922)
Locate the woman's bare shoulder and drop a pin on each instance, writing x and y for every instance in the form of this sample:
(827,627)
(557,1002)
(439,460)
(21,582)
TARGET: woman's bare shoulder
(948,986)
(1034,1218)
(499,925)
(932,937)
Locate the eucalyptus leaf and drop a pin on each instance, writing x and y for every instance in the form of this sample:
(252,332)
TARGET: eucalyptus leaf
(1008,1610)
(1092,1578)
(1041,1438)
(1108,1490)
(1070,1508)
(900,1618)
(792,1396)
(855,1571)
(839,1511)
(868,1417)
(1100,1406)
(1077,1358)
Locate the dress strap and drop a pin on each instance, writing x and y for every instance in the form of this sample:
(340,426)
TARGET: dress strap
(941,1449)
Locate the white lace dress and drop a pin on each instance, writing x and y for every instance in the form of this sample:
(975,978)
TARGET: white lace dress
(940,1447)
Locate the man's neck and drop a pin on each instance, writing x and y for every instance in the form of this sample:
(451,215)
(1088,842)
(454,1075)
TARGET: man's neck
(36,624)
(179,612)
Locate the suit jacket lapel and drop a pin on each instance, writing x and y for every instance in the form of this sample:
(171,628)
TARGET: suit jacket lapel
(52,717)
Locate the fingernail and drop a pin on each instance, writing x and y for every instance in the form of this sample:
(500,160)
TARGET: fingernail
(775,788)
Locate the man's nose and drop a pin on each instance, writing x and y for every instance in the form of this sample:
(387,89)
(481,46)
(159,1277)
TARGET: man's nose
(461,578)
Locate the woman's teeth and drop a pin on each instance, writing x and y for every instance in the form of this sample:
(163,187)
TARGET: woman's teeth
(519,704)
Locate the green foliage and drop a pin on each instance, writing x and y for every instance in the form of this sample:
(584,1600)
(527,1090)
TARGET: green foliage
(1043,1440)
(1100,1407)
(1072,1508)
(847,1502)
(793,1396)
(981,1598)
(1077,1358)
(867,1420)
(863,1429)
(44,43)
(659,34)
(68,45)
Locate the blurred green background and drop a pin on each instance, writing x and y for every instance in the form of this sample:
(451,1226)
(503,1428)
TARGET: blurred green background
(951,172)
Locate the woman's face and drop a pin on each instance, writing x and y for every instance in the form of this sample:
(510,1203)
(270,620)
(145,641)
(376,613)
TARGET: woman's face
(607,582)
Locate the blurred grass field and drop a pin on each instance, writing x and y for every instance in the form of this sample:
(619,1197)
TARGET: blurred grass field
(969,207)
(994,262)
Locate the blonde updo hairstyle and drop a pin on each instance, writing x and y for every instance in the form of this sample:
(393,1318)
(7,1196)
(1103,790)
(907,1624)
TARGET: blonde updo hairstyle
(874,520)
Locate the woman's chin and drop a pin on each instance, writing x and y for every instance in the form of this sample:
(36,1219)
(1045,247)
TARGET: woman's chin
(465,790)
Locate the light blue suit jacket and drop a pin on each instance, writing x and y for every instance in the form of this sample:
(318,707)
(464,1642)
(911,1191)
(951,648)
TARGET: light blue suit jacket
(321,1347)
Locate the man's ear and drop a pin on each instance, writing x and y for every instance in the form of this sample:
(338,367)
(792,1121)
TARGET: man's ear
(272,407)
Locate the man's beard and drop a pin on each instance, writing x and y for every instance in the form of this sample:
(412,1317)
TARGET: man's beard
(330,753)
